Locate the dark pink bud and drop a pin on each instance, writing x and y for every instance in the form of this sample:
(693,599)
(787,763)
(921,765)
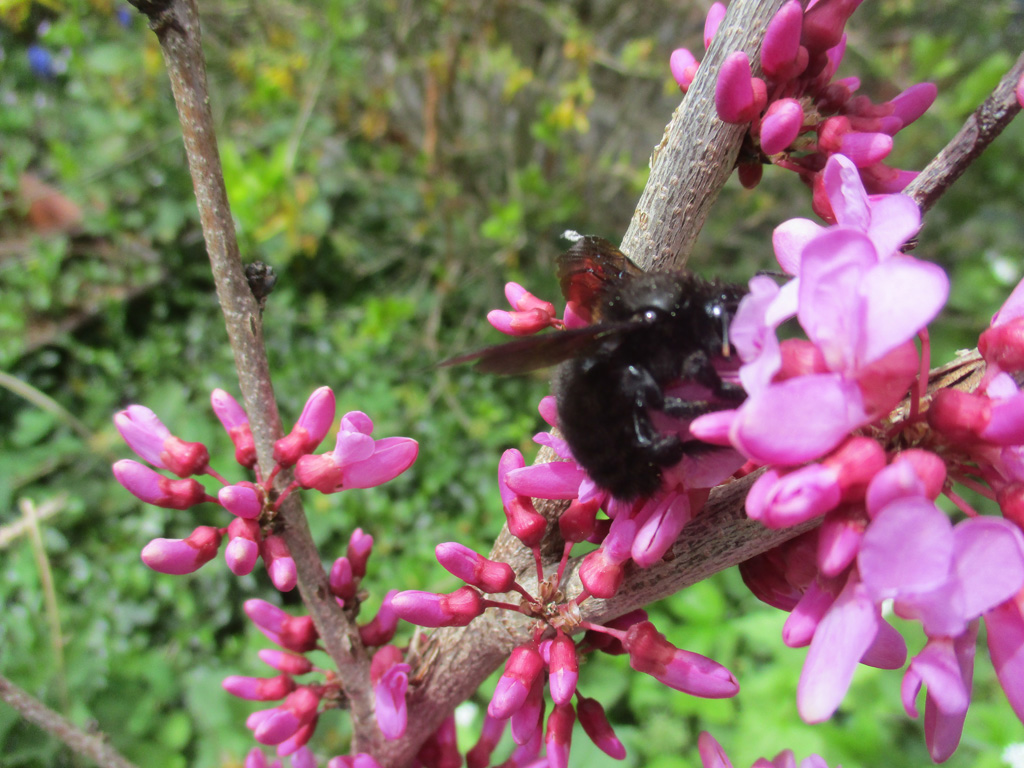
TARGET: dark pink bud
(563,669)
(960,416)
(440,749)
(153,488)
(427,609)
(360,545)
(576,524)
(749,174)
(283,661)
(341,581)
(319,472)
(181,556)
(597,727)
(831,132)
(296,633)
(685,671)
(782,56)
(739,97)
(524,522)
(558,736)
(521,670)
(913,102)
(601,575)
(855,463)
(243,547)
(712,21)
(683,66)
(381,627)
(259,688)
(236,423)
(1003,345)
(309,430)
(243,499)
(184,458)
(526,720)
(781,125)
(474,569)
(297,710)
(279,562)
(823,24)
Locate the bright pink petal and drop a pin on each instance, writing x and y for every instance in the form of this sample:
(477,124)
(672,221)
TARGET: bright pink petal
(391,457)
(989,562)
(554,480)
(1005,626)
(846,193)
(789,239)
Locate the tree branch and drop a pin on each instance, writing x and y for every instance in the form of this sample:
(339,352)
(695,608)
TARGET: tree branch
(176,24)
(90,745)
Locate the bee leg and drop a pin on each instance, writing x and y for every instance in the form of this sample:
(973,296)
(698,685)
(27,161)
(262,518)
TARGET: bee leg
(697,367)
(663,450)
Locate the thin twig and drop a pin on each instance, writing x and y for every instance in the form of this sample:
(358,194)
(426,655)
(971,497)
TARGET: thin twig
(89,745)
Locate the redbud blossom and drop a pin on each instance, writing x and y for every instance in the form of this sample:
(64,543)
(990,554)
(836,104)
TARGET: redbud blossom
(781,125)
(236,423)
(525,722)
(243,499)
(521,670)
(273,726)
(595,724)
(577,523)
(296,633)
(531,314)
(279,562)
(558,736)
(474,569)
(341,581)
(683,66)
(563,667)
(283,661)
(181,556)
(427,609)
(490,734)
(739,97)
(390,678)
(381,628)
(782,56)
(360,545)
(243,547)
(685,671)
(259,688)
(309,430)
(153,488)
(524,522)
(150,439)
(716,13)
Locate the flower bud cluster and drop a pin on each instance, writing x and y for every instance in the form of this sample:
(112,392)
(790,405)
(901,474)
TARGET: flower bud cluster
(818,418)
(358,461)
(799,116)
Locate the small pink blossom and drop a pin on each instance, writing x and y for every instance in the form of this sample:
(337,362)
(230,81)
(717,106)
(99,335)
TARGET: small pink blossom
(181,556)
(236,423)
(150,439)
(390,678)
(428,609)
(153,488)
(309,430)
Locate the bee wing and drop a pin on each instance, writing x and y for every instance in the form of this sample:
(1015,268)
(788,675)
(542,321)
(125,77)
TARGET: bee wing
(534,352)
(588,266)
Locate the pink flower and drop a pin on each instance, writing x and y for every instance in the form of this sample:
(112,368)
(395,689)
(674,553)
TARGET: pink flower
(259,688)
(309,430)
(713,756)
(476,570)
(523,667)
(428,609)
(595,724)
(685,671)
(358,460)
(279,562)
(739,97)
(529,316)
(236,423)
(563,669)
(181,556)
(243,549)
(558,737)
(150,439)
(153,488)
(295,633)
(390,678)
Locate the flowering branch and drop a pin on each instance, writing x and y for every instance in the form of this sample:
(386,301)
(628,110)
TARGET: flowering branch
(92,746)
(176,24)
(979,130)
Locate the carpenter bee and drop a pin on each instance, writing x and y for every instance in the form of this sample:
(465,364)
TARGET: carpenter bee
(649,330)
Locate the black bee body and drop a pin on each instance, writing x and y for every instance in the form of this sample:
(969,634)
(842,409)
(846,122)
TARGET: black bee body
(649,330)
(677,326)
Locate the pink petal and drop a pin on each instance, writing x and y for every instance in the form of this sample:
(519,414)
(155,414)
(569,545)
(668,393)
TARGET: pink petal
(711,753)
(391,457)
(781,125)
(846,193)
(989,562)
(738,99)
(554,480)
(660,530)
(789,240)
(894,220)
(683,66)
(1005,625)
(913,102)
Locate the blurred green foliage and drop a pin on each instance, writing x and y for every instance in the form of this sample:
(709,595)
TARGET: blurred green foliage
(396,163)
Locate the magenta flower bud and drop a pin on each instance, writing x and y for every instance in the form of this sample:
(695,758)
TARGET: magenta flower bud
(739,97)
(601,574)
(298,709)
(558,736)
(301,757)
(779,501)
(913,102)
(341,582)
(865,148)
(563,669)
(781,125)
(523,667)
(576,523)
(143,431)
(427,609)
(595,724)
(606,643)
(651,653)
(824,22)
(255,759)
(319,472)
(474,569)
(279,562)
(524,301)
(490,734)
(525,722)
(712,21)
(259,688)
(524,522)
(316,419)
(360,545)
(381,628)
(855,464)
(1003,345)
(782,56)
(357,461)
(296,633)
(153,488)
(283,661)
(683,66)
(243,547)
(960,416)
(236,424)
(181,556)
(243,499)
(390,678)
